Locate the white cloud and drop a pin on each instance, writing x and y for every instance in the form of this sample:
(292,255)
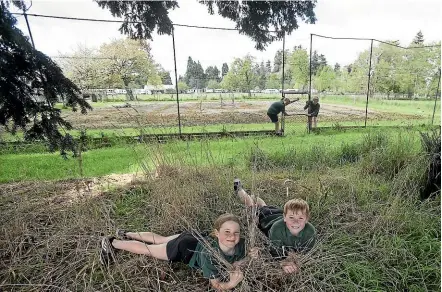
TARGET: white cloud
(384,20)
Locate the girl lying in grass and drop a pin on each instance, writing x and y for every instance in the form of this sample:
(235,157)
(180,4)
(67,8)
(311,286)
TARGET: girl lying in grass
(205,254)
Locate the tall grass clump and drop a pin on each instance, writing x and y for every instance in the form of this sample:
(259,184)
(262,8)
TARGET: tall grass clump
(310,158)
(388,159)
(320,155)
(431,143)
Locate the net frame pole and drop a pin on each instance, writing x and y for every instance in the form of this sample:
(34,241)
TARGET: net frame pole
(435,99)
(309,126)
(282,83)
(283,64)
(368,83)
(176,81)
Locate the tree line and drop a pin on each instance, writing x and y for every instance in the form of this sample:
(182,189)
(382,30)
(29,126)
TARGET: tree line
(122,63)
(394,71)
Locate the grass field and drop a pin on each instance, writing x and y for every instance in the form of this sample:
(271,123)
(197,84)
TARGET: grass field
(413,107)
(126,158)
(374,233)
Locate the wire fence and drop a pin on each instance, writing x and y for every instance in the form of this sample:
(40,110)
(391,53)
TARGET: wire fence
(377,84)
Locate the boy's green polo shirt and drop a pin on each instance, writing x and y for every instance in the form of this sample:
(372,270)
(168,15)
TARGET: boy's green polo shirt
(276,108)
(283,240)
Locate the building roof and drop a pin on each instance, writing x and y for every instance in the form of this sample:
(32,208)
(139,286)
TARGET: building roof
(159,87)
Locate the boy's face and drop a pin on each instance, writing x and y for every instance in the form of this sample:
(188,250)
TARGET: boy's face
(295,221)
(315,101)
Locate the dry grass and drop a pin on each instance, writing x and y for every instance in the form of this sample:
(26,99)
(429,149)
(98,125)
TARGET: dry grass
(369,237)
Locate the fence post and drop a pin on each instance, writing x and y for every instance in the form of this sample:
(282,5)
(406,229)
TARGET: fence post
(27,24)
(435,99)
(282,83)
(368,84)
(176,81)
(309,126)
(310,80)
(283,64)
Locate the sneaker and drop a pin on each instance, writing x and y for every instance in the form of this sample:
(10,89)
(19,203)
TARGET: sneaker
(105,258)
(121,234)
(107,251)
(237,185)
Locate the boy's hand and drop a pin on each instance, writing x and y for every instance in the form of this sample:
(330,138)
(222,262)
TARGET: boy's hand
(289,267)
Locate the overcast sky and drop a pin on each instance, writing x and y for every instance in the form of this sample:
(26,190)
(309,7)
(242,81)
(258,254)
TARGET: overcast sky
(379,19)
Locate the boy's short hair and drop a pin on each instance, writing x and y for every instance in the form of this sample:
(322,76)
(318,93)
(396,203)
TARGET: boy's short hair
(286,99)
(297,205)
(315,97)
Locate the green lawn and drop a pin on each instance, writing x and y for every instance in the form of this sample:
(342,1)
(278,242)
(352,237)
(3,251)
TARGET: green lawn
(409,107)
(226,151)
(52,166)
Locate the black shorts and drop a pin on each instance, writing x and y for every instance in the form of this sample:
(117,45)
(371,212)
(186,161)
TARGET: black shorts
(264,213)
(181,249)
(273,118)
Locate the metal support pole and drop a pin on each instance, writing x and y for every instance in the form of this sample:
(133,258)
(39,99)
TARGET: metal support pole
(309,126)
(283,64)
(435,99)
(29,28)
(310,82)
(176,81)
(33,45)
(368,84)
(282,82)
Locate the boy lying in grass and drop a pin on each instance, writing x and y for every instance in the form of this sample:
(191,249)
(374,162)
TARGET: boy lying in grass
(288,230)
(225,246)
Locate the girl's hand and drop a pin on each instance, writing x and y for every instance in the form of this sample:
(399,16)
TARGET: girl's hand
(236,276)
(254,253)
(238,264)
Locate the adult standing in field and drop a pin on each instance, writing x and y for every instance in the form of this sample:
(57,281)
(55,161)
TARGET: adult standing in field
(275,109)
(313,111)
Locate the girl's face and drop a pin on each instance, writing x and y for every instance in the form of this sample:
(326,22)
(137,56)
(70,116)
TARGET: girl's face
(228,234)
